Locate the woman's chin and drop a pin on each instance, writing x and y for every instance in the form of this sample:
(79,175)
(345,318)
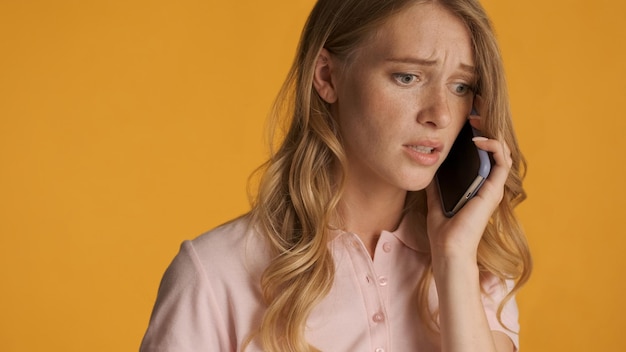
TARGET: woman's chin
(418,185)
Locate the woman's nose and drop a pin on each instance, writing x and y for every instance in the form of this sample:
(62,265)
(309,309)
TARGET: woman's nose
(435,108)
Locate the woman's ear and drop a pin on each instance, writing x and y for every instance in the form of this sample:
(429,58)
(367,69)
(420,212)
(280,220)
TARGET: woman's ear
(323,77)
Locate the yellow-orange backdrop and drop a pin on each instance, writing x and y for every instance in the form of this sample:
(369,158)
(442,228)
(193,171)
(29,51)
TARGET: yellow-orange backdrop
(128,126)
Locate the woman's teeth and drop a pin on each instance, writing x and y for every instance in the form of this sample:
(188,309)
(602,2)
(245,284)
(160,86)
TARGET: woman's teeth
(422,149)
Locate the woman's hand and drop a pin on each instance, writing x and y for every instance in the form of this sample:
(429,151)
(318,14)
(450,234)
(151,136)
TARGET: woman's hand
(460,235)
(454,245)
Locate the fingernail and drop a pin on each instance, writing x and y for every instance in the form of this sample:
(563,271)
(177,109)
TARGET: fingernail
(474,117)
(480,139)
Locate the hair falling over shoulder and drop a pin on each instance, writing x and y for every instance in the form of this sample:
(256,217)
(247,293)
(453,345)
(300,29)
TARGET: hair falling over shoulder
(301,183)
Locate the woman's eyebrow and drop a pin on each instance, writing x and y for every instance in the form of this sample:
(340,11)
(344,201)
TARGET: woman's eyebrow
(468,68)
(425,62)
(412,60)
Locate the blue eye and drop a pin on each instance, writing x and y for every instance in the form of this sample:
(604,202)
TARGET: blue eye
(405,78)
(462,89)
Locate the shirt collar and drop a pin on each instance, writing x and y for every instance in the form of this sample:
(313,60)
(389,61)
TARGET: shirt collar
(411,231)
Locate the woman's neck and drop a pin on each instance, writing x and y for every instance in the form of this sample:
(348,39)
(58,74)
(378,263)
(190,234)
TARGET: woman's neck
(368,212)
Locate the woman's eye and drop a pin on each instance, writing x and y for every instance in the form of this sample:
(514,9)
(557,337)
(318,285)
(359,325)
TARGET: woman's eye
(405,78)
(462,89)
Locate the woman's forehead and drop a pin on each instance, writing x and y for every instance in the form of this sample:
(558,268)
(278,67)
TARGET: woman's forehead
(421,31)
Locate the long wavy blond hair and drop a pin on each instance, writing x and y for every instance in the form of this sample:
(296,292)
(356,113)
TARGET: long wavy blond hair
(299,189)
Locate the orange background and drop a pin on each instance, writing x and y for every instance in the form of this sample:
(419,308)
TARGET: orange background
(128,126)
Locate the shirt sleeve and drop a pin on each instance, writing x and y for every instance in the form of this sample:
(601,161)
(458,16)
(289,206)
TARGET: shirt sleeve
(186,316)
(495,292)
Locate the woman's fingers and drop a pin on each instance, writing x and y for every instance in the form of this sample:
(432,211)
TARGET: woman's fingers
(494,185)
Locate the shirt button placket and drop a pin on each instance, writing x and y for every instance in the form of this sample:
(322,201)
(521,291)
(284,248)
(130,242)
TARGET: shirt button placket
(382,266)
(374,296)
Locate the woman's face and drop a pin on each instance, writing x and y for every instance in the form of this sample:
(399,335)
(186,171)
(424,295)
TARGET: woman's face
(403,98)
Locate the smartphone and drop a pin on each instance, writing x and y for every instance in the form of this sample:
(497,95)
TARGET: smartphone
(463,172)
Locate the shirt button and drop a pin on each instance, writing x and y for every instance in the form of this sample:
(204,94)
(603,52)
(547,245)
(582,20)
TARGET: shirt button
(387,247)
(382,281)
(378,318)
(379,350)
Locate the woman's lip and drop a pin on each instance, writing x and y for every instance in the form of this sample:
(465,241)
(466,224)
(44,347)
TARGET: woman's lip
(423,158)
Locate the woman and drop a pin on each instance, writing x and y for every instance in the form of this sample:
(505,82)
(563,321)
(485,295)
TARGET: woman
(346,247)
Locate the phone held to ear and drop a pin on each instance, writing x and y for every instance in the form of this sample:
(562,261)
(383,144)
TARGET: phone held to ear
(463,172)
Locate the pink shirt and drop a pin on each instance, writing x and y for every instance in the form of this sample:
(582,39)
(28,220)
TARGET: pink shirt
(210,299)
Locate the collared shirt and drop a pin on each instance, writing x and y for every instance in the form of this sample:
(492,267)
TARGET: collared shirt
(210,297)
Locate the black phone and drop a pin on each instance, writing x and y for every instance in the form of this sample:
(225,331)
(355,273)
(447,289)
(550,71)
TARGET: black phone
(463,172)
